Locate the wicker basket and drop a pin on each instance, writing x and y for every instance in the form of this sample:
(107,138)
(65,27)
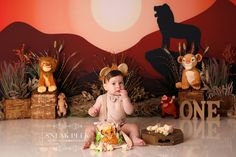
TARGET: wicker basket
(16,108)
(43,106)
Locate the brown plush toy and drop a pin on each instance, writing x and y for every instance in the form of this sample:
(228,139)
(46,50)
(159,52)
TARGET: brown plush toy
(47,66)
(190,74)
(61,105)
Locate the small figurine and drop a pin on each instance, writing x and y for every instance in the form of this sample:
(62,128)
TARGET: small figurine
(168,106)
(190,74)
(47,66)
(61,105)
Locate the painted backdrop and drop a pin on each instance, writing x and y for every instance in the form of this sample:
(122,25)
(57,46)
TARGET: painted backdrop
(97,28)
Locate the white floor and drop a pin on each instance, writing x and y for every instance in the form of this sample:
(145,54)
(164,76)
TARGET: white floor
(64,137)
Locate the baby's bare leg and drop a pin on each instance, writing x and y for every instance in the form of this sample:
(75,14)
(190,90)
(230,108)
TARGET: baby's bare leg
(90,133)
(132,131)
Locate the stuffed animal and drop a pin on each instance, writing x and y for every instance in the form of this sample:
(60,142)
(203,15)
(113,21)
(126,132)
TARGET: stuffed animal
(168,106)
(190,75)
(47,65)
(61,105)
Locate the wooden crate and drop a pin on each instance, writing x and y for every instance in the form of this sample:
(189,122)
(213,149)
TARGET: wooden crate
(190,94)
(43,105)
(16,108)
(150,137)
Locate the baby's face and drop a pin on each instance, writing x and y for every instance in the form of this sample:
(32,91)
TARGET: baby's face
(114,85)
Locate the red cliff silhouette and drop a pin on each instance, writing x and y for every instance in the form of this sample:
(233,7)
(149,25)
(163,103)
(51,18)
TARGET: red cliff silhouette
(217,25)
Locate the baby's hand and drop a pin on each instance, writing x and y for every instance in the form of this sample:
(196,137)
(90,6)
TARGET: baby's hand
(124,94)
(93,112)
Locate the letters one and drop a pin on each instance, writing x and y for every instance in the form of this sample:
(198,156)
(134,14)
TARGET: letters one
(194,108)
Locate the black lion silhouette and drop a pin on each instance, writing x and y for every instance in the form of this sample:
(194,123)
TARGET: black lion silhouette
(170,29)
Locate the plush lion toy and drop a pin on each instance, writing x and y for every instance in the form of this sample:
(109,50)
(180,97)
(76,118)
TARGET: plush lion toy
(47,66)
(190,74)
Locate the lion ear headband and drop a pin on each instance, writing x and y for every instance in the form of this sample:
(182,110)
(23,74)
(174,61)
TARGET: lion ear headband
(123,68)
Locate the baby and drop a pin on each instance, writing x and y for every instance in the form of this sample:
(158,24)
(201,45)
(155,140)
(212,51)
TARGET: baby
(114,105)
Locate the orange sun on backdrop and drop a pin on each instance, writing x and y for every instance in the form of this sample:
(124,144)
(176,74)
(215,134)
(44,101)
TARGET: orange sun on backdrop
(116,15)
(111,25)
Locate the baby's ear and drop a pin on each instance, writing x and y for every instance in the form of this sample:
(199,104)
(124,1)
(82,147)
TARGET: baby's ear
(105,86)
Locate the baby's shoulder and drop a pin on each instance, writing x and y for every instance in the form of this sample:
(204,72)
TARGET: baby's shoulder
(101,97)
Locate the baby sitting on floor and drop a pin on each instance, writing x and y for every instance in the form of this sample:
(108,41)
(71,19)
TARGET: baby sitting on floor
(113,106)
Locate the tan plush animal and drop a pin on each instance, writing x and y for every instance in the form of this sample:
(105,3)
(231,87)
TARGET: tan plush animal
(190,74)
(47,66)
(61,105)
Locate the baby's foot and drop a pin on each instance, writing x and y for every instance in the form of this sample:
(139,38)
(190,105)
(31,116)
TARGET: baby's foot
(86,144)
(138,142)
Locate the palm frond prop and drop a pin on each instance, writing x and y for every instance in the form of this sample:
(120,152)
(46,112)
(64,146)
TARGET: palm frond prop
(14,82)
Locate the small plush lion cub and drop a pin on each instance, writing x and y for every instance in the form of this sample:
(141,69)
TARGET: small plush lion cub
(190,74)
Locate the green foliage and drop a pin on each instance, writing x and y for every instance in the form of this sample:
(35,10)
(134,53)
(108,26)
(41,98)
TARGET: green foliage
(133,85)
(164,62)
(223,90)
(64,75)
(32,70)
(218,72)
(30,59)
(67,66)
(120,139)
(98,137)
(14,83)
(216,78)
